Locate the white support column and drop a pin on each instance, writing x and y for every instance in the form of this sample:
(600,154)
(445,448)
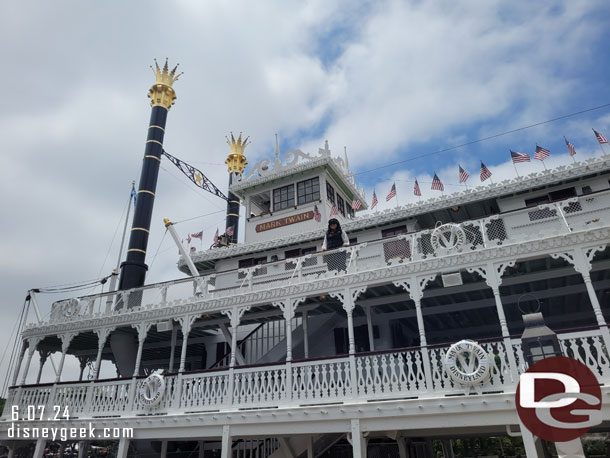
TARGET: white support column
(83,449)
(348,299)
(123,448)
(11,451)
(306,334)
(24,348)
(62,449)
(173,348)
(226,443)
(234,316)
(532,445)
(310,447)
(32,344)
(228,335)
(142,329)
(163,449)
(186,324)
(448,448)
(415,287)
(201,449)
(102,336)
(83,364)
(369,325)
(492,274)
(65,344)
(581,260)
(39,450)
(288,308)
(358,442)
(570,449)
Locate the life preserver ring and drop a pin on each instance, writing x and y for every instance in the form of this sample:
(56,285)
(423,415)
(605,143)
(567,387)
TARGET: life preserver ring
(448,237)
(152,390)
(467,363)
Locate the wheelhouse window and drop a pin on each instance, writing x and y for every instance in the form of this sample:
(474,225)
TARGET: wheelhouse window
(308,190)
(283,197)
(330,193)
(340,205)
(350,211)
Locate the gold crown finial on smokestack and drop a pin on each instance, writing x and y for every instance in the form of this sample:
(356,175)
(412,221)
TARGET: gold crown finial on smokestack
(236,161)
(161,93)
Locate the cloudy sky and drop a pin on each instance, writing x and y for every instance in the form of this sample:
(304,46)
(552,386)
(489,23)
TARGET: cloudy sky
(389,80)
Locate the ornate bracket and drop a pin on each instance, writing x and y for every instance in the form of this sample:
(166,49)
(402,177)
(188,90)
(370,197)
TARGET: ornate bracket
(33,343)
(235,315)
(186,323)
(492,273)
(66,339)
(142,329)
(415,286)
(102,336)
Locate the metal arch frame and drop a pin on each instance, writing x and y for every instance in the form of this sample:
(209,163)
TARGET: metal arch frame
(190,172)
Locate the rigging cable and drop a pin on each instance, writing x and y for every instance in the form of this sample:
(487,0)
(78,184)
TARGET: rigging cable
(18,327)
(482,139)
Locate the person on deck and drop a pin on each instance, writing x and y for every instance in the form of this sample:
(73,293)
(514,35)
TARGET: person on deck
(335,237)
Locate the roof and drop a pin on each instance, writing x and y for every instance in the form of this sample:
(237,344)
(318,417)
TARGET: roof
(507,187)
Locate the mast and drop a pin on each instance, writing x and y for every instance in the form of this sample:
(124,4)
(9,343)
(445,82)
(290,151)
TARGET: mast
(162,96)
(236,161)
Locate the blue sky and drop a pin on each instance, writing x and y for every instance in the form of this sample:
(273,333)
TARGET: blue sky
(389,79)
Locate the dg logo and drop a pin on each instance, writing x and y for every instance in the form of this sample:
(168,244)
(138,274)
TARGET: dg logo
(559,399)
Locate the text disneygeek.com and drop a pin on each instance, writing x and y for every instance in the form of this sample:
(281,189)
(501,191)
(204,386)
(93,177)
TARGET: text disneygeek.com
(18,431)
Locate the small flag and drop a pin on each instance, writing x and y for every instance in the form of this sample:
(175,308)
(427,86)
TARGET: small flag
(600,138)
(198,235)
(188,239)
(216,237)
(416,189)
(316,214)
(463,174)
(375,201)
(485,173)
(356,204)
(571,148)
(134,194)
(229,231)
(334,211)
(541,153)
(391,194)
(437,184)
(193,249)
(519,157)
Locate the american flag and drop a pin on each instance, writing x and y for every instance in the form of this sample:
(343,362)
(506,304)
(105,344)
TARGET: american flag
(600,138)
(334,211)
(392,193)
(316,214)
(375,201)
(519,157)
(229,231)
(198,235)
(485,173)
(356,204)
(188,239)
(193,249)
(463,174)
(416,189)
(571,148)
(436,183)
(216,237)
(541,153)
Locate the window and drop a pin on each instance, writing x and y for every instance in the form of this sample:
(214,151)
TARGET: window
(562,194)
(283,197)
(330,193)
(340,205)
(308,190)
(385,233)
(536,201)
(350,211)
(243,263)
(586,190)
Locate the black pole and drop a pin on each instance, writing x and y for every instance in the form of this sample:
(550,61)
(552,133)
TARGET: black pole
(133,270)
(232,214)
(163,96)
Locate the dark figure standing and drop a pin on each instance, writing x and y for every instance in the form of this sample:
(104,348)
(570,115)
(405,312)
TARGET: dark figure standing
(335,237)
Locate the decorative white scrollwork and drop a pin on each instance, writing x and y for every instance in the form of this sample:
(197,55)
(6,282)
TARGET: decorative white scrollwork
(70,308)
(448,237)
(152,389)
(467,363)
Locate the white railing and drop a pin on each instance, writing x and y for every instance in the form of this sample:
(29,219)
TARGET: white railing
(399,373)
(514,227)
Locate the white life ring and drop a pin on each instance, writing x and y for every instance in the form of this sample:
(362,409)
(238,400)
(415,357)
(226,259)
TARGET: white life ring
(448,237)
(152,389)
(467,363)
